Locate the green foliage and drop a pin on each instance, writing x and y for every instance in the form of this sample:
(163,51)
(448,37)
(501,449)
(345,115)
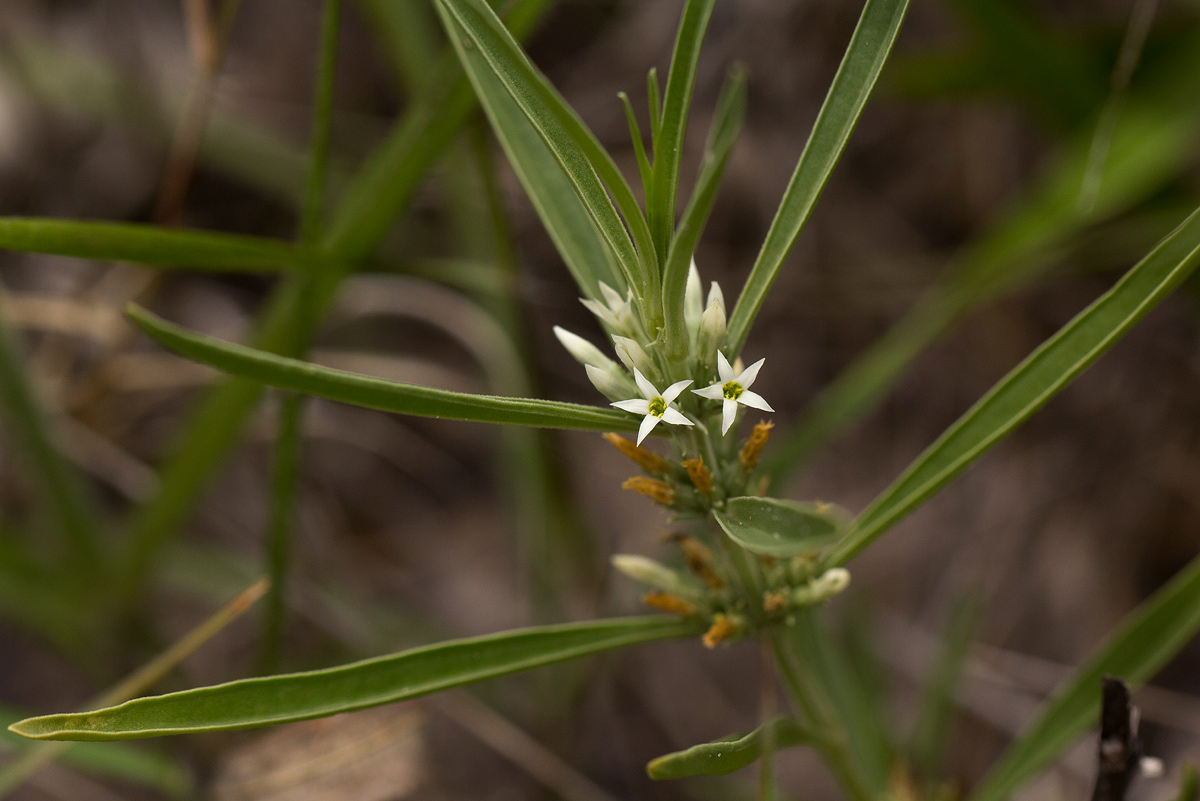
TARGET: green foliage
(733,752)
(382,680)
(777,527)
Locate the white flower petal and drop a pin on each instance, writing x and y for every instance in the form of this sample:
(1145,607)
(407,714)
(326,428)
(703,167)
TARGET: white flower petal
(672,392)
(675,417)
(712,393)
(602,313)
(637,406)
(612,298)
(648,424)
(648,390)
(723,368)
(728,413)
(754,399)
(749,374)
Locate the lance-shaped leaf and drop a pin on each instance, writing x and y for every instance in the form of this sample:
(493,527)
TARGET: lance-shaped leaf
(561,210)
(668,146)
(375,393)
(727,122)
(1031,383)
(147,244)
(860,67)
(590,169)
(300,696)
(1140,646)
(731,753)
(777,527)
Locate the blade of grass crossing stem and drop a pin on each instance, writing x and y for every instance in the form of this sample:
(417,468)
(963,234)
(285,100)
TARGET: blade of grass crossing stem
(148,244)
(931,734)
(382,680)
(379,193)
(732,753)
(559,207)
(1145,641)
(33,760)
(727,122)
(860,68)
(374,393)
(1029,385)
(681,80)
(1151,144)
(285,472)
(592,172)
(65,495)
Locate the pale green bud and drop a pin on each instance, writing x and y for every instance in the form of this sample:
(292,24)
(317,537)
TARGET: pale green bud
(822,588)
(614,311)
(712,332)
(693,302)
(659,576)
(631,355)
(584,352)
(716,296)
(613,384)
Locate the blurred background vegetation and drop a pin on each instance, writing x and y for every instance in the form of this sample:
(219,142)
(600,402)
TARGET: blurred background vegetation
(964,225)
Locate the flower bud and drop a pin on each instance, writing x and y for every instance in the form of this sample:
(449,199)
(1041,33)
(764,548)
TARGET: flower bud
(652,488)
(614,311)
(631,355)
(584,352)
(648,460)
(653,574)
(712,333)
(822,588)
(716,296)
(612,384)
(693,302)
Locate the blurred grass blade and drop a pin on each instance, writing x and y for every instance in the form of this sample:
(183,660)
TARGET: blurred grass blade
(731,753)
(676,104)
(588,166)
(727,122)
(147,244)
(122,762)
(375,393)
(1189,784)
(931,734)
(378,194)
(67,499)
(313,212)
(285,469)
(1144,642)
(860,68)
(559,207)
(1152,143)
(382,680)
(36,758)
(408,33)
(1029,385)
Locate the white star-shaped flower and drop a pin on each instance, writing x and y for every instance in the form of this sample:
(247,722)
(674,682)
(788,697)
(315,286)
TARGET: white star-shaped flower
(655,405)
(734,389)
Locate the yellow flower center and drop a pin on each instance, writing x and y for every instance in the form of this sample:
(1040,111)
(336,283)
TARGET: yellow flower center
(658,407)
(732,390)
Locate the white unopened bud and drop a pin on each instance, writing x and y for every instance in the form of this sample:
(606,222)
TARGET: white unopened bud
(822,588)
(712,334)
(693,302)
(715,295)
(632,356)
(612,384)
(584,352)
(656,575)
(614,311)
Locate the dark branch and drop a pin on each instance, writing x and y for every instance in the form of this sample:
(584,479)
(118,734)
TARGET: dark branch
(1120,749)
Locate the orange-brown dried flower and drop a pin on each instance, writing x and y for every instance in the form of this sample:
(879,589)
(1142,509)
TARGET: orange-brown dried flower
(753,447)
(773,601)
(652,488)
(666,602)
(698,473)
(700,559)
(649,461)
(720,629)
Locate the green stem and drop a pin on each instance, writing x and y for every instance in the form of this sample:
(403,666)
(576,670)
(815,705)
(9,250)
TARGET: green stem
(285,475)
(833,745)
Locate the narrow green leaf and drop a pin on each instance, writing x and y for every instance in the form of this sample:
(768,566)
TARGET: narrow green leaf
(371,682)
(313,212)
(66,498)
(1189,784)
(375,393)
(1145,641)
(582,158)
(562,212)
(654,100)
(777,527)
(731,753)
(1030,384)
(285,475)
(639,148)
(860,68)
(676,103)
(931,734)
(727,122)
(147,244)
